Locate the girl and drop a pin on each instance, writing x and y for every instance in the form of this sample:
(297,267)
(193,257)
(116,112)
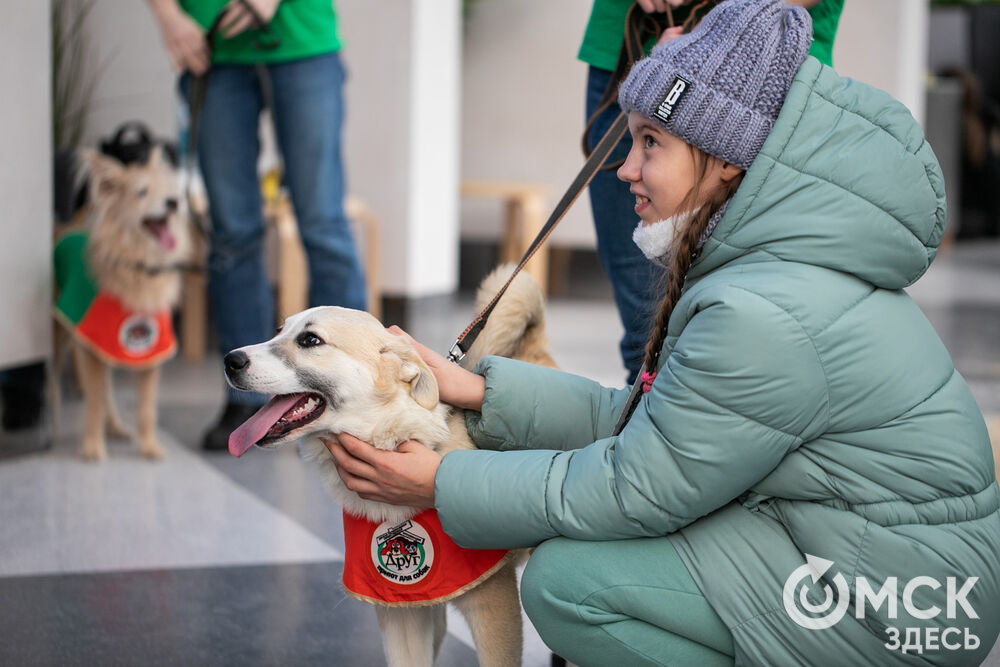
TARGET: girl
(807,479)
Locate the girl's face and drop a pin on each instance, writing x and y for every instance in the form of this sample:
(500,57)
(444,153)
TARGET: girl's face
(662,171)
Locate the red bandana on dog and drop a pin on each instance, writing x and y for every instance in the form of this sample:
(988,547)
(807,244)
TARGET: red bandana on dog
(99,320)
(413,563)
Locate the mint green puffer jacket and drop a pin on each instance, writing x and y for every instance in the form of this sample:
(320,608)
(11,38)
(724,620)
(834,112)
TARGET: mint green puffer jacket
(804,405)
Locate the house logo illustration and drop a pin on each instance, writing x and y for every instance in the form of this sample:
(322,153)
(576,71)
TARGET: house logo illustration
(403,553)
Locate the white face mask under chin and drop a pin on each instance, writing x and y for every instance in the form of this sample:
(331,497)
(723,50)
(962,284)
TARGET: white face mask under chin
(654,240)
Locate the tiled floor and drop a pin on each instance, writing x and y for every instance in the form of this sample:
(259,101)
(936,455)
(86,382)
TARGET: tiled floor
(208,560)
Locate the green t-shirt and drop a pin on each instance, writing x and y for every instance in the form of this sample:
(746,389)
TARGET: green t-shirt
(303,28)
(603,38)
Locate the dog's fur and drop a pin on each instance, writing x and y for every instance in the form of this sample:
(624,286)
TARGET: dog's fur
(375,386)
(122,200)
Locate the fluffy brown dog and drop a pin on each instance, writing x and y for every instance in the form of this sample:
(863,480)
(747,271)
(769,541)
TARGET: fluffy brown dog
(118,277)
(335,370)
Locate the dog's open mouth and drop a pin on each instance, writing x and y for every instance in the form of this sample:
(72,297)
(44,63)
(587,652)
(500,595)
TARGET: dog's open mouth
(157,226)
(279,417)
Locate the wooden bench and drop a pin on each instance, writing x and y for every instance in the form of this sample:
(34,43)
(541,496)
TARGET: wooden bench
(524,217)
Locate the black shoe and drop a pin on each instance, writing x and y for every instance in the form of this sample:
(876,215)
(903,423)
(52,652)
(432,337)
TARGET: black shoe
(217,437)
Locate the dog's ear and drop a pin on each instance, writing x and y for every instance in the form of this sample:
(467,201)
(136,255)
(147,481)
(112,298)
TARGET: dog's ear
(106,174)
(423,385)
(156,156)
(412,370)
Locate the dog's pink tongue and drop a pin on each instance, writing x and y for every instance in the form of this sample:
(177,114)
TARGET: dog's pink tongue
(166,239)
(252,430)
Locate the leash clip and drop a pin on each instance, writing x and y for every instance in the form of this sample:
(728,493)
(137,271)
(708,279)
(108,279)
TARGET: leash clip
(455,354)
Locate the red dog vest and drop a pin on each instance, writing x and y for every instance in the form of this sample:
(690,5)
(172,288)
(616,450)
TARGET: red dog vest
(413,563)
(99,320)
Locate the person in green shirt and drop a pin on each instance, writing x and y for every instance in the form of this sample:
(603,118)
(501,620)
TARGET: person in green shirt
(294,45)
(633,279)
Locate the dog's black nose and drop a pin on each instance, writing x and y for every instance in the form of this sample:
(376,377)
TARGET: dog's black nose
(236,360)
(171,205)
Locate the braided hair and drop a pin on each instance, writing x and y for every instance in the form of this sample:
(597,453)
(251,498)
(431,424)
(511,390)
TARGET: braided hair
(682,251)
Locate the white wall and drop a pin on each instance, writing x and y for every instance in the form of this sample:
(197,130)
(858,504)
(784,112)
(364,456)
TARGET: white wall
(401,138)
(523,93)
(135,79)
(25,183)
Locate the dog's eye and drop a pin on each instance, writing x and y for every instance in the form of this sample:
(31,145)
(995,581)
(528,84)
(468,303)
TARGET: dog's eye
(142,192)
(309,339)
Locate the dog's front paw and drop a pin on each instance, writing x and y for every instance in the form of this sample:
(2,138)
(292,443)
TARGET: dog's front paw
(93,451)
(117,429)
(152,450)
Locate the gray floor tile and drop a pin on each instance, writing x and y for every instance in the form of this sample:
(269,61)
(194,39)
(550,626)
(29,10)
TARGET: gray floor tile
(278,615)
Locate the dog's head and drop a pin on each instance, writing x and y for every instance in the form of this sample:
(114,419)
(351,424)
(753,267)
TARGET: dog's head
(332,370)
(137,206)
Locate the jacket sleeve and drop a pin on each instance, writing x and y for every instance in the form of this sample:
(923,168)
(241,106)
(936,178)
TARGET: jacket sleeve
(532,407)
(741,388)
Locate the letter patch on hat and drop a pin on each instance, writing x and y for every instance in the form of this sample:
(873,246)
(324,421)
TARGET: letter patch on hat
(673,96)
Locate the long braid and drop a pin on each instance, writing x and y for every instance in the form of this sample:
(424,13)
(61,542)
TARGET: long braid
(682,252)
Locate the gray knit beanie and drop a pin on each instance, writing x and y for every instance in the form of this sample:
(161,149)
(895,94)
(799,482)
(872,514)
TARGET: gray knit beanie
(720,88)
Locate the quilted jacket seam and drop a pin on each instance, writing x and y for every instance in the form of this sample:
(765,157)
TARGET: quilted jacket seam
(913,407)
(619,474)
(812,343)
(854,304)
(545,494)
(799,438)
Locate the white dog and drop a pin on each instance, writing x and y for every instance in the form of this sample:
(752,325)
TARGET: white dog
(335,370)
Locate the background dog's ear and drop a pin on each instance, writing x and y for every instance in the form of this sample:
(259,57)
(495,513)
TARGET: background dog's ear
(414,372)
(106,174)
(156,156)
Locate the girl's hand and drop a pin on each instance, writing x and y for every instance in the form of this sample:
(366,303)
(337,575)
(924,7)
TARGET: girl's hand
(183,38)
(237,19)
(401,477)
(456,386)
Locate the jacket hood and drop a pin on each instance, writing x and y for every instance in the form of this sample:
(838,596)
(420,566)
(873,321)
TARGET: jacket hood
(845,181)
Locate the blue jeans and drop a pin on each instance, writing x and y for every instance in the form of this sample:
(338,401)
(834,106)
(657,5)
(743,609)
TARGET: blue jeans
(634,279)
(308,115)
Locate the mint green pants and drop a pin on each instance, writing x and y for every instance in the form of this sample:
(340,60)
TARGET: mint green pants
(626,602)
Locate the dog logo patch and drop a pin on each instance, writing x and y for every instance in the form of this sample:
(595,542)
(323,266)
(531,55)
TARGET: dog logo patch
(138,334)
(411,563)
(402,553)
(669,102)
